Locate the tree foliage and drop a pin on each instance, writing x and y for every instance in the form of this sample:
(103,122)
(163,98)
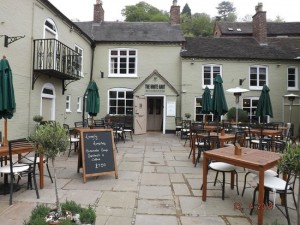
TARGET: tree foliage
(199,24)
(225,11)
(144,12)
(186,10)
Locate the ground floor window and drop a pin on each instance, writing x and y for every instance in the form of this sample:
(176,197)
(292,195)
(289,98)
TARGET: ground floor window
(120,101)
(250,106)
(199,117)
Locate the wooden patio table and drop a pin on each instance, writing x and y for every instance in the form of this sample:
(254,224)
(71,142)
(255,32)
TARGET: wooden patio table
(250,158)
(267,132)
(4,151)
(223,138)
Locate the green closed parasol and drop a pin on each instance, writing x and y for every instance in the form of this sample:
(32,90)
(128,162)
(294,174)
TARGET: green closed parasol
(264,105)
(93,100)
(206,102)
(7,96)
(219,104)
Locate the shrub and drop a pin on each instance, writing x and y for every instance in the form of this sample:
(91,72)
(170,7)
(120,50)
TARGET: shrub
(71,206)
(242,115)
(87,215)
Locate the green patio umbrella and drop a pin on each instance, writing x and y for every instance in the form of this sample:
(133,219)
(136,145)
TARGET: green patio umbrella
(206,101)
(218,104)
(264,105)
(7,96)
(92,100)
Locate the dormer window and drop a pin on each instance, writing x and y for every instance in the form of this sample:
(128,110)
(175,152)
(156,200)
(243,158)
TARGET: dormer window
(230,28)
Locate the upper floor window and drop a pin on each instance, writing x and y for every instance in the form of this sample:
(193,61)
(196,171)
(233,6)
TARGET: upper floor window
(68,103)
(78,61)
(120,101)
(50,29)
(292,78)
(123,62)
(209,73)
(258,77)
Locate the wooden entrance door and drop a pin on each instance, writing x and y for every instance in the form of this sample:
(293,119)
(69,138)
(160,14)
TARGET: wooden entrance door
(155,113)
(140,115)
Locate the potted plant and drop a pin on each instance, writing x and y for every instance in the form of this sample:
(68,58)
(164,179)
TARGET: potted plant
(290,161)
(73,213)
(51,139)
(37,119)
(187,115)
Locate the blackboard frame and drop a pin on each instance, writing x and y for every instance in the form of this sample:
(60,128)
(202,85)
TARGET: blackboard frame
(111,153)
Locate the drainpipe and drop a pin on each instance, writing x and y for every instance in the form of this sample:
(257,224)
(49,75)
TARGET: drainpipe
(93,45)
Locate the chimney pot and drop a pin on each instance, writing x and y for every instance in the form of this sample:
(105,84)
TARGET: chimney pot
(98,12)
(175,13)
(259,25)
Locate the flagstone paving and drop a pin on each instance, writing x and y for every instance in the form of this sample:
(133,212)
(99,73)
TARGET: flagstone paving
(157,184)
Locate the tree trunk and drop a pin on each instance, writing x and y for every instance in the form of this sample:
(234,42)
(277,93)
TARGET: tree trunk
(56,190)
(298,203)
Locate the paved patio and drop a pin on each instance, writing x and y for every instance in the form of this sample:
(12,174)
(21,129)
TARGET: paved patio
(157,184)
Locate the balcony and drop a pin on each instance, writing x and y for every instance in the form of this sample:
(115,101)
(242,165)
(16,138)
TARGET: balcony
(54,59)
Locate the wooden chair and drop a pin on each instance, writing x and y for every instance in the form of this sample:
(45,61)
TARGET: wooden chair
(282,187)
(212,142)
(74,140)
(199,143)
(81,123)
(17,169)
(185,130)
(99,124)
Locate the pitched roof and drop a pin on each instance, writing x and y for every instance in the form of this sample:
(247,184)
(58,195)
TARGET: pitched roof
(132,31)
(156,73)
(273,28)
(242,48)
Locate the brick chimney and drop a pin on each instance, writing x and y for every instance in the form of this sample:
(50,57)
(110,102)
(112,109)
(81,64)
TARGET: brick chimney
(175,13)
(259,25)
(98,12)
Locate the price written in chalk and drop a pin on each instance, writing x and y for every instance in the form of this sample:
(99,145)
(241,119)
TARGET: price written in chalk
(98,152)
(100,165)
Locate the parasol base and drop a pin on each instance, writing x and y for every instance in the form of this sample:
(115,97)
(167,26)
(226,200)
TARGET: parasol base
(5,188)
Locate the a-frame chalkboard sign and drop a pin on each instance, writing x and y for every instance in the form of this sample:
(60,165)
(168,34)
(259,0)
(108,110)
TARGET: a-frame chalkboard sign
(98,153)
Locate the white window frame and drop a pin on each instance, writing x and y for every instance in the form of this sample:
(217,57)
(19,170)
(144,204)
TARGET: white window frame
(198,107)
(258,80)
(51,30)
(251,110)
(68,103)
(79,50)
(212,75)
(292,88)
(118,57)
(79,104)
(117,99)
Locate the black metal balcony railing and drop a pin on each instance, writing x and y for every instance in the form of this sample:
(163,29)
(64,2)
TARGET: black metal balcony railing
(53,58)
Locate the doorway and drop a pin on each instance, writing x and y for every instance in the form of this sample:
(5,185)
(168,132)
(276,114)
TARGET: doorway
(48,102)
(154,113)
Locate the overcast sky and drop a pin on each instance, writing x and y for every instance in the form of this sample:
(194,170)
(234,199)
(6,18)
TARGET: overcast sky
(83,9)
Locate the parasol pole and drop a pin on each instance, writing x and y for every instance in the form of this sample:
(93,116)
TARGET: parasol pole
(5,133)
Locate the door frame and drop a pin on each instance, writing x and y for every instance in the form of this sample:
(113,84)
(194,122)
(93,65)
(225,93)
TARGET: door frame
(48,96)
(164,110)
